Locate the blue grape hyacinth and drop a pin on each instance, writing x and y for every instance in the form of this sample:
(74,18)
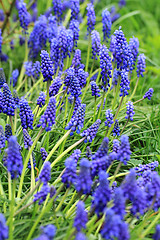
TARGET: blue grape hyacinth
(27,139)
(69,176)
(48,118)
(45,174)
(116,129)
(8,101)
(2,138)
(95,89)
(141,65)
(14,77)
(91,17)
(8,131)
(109,118)
(107,24)
(24,16)
(83,181)
(102,150)
(57,8)
(44,154)
(124,152)
(55,86)
(124,83)
(46,66)
(96,43)
(81,217)
(91,132)
(14,159)
(48,232)
(156,235)
(74,26)
(26,114)
(42,194)
(1,99)
(41,99)
(149,94)
(4,231)
(130,111)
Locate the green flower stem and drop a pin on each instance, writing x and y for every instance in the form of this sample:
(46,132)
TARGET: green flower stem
(124,126)
(90,222)
(22,208)
(62,200)
(25,59)
(70,211)
(35,111)
(134,90)
(118,175)
(109,168)
(10,220)
(26,197)
(116,94)
(61,102)
(98,225)
(26,84)
(74,196)
(115,173)
(133,103)
(111,128)
(9,186)
(45,209)
(12,125)
(47,142)
(32,173)
(26,162)
(15,119)
(2,193)
(150,226)
(67,18)
(99,75)
(101,106)
(48,84)
(95,108)
(88,53)
(65,113)
(58,179)
(57,145)
(67,150)
(34,86)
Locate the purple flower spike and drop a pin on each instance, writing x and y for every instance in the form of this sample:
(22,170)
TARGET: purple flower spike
(130,111)
(2,138)
(95,89)
(91,17)
(47,66)
(141,65)
(81,216)
(109,118)
(149,94)
(96,43)
(91,132)
(8,103)
(124,152)
(69,176)
(41,99)
(26,114)
(107,24)
(4,228)
(45,174)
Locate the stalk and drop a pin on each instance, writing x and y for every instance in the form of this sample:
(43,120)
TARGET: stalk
(88,53)
(12,211)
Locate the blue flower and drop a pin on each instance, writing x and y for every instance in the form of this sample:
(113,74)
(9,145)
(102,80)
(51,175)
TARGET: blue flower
(45,174)
(41,99)
(4,228)
(116,129)
(149,94)
(95,89)
(55,86)
(102,194)
(129,185)
(36,69)
(26,114)
(74,26)
(102,150)
(48,118)
(84,182)
(99,164)
(57,8)
(116,145)
(122,3)
(124,83)
(156,235)
(2,138)
(81,217)
(109,118)
(119,202)
(46,66)
(16,98)
(69,176)
(14,159)
(44,154)
(82,77)
(91,132)
(74,5)
(77,120)
(2,78)
(76,61)
(134,46)
(42,194)
(1,99)
(140,169)
(107,24)
(141,65)
(91,17)
(96,43)
(8,131)
(14,77)
(8,103)
(24,16)
(124,152)
(81,236)
(130,111)
(27,139)
(106,67)
(76,155)
(29,68)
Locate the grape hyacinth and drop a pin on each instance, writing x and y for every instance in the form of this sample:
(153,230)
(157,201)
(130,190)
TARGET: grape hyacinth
(134,46)
(14,77)
(57,8)
(76,61)
(140,169)
(4,228)
(96,43)
(109,118)
(91,132)
(16,98)
(45,174)
(149,94)
(156,235)
(69,176)
(44,154)
(81,236)
(99,164)
(52,27)
(102,194)
(48,232)
(2,138)
(106,67)
(1,99)
(124,152)
(116,129)
(77,120)
(24,16)
(130,111)
(14,159)
(46,66)
(27,139)
(8,103)
(8,131)
(95,89)
(29,68)
(107,24)
(124,84)
(83,181)
(41,99)
(74,5)
(74,26)
(81,217)
(42,194)
(26,114)
(119,202)
(36,69)
(116,145)
(91,17)
(82,77)
(141,65)
(48,118)
(102,150)
(55,86)
(2,78)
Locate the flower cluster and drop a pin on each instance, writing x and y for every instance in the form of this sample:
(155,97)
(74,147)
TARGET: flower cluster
(130,111)
(24,16)
(95,89)
(26,114)
(8,104)
(91,17)
(41,99)
(46,66)
(107,24)
(91,132)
